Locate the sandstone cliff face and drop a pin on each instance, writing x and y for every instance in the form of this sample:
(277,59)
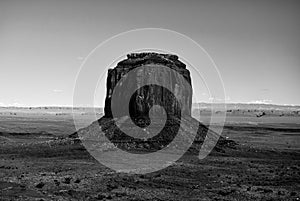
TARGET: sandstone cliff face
(179,128)
(147,96)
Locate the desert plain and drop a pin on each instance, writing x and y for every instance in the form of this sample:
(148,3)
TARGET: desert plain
(40,161)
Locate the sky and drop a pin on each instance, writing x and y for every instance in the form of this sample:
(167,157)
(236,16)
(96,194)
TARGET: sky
(255,44)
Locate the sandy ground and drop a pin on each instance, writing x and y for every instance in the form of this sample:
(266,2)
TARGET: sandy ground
(39,163)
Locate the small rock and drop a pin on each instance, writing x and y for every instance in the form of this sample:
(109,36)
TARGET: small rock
(101,196)
(77,181)
(225,192)
(268,191)
(56,182)
(111,187)
(40,185)
(67,180)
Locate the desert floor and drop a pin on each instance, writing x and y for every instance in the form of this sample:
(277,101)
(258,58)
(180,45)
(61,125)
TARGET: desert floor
(38,162)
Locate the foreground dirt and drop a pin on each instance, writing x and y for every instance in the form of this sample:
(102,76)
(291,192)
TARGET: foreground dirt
(59,169)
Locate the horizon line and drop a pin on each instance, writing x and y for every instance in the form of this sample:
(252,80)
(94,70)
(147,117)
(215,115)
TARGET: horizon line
(71,106)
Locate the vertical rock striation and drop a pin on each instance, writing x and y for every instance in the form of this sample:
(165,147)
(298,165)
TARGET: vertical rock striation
(147,96)
(177,103)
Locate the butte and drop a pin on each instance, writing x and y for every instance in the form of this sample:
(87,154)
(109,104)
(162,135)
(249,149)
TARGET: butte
(165,103)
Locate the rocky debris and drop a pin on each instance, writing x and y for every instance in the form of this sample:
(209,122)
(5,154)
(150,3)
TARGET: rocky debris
(174,126)
(225,192)
(103,196)
(67,180)
(56,182)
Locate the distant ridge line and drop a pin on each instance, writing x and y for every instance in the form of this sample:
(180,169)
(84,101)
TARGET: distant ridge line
(193,105)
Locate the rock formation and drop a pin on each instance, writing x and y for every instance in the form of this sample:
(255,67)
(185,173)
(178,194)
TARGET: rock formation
(176,104)
(146,97)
